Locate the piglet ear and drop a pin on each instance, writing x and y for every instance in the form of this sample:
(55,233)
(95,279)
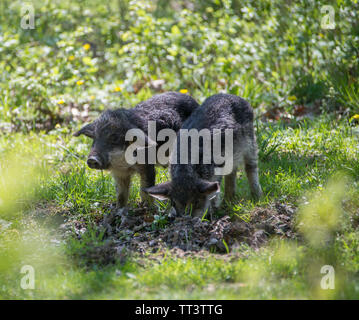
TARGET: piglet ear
(209,188)
(88,130)
(160,191)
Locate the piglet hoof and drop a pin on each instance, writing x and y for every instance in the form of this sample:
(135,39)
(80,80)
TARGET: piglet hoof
(122,212)
(257,195)
(172,215)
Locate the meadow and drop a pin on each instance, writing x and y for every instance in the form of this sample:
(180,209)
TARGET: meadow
(82,57)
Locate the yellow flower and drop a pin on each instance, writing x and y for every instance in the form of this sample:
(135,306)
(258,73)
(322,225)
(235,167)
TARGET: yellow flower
(57,126)
(183,91)
(61,101)
(356,117)
(80,82)
(71,58)
(118,89)
(92,97)
(87,46)
(292,98)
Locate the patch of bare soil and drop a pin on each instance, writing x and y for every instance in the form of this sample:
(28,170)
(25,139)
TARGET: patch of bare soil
(138,232)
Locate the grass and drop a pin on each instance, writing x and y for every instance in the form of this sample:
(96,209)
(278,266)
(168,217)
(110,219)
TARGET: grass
(86,56)
(296,160)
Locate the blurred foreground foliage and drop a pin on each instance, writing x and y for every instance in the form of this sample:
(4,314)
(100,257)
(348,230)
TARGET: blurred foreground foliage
(85,56)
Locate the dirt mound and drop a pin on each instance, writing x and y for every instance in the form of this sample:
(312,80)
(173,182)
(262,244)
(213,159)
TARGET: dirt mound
(140,232)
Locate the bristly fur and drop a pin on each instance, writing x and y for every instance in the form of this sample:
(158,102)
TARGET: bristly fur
(193,183)
(169,110)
